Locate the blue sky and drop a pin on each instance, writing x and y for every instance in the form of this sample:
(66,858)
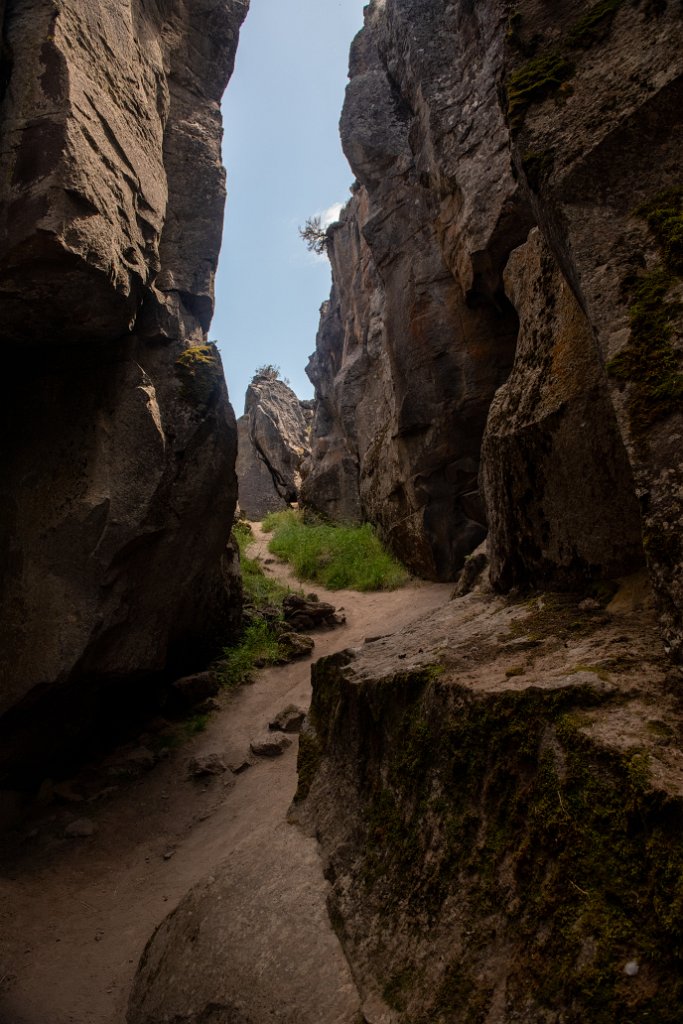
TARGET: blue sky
(284,163)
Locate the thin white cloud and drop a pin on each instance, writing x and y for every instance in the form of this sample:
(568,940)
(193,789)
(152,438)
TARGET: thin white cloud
(327,217)
(331,214)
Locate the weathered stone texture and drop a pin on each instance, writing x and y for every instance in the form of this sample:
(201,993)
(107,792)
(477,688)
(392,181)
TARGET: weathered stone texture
(593,152)
(118,441)
(460,774)
(273,440)
(256,491)
(558,487)
(439,338)
(465,124)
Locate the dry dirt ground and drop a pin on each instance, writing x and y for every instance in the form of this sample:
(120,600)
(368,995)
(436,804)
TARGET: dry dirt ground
(76,913)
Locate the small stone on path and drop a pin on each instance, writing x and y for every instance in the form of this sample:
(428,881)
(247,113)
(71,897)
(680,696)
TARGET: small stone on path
(270,745)
(131,765)
(290,719)
(191,690)
(80,829)
(209,764)
(295,645)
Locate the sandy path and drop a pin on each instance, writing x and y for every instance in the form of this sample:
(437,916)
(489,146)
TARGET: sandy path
(76,914)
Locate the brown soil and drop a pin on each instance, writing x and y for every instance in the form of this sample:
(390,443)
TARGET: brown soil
(75,914)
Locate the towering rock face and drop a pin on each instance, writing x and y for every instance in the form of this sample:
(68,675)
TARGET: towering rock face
(118,441)
(466,125)
(418,351)
(273,442)
(595,115)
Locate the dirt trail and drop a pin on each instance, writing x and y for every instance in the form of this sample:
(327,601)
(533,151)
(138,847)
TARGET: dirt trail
(75,914)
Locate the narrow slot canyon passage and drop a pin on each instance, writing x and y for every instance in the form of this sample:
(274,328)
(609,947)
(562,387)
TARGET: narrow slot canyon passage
(76,913)
(341,491)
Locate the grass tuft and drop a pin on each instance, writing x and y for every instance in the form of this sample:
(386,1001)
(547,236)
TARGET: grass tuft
(258,644)
(258,647)
(337,557)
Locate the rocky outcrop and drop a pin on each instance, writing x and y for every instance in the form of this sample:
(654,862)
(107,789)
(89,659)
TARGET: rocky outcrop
(118,441)
(498,795)
(408,355)
(273,442)
(600,151)
(560,497)
(465,125)
(271,957)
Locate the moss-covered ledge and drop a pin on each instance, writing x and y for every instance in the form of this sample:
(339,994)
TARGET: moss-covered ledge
(503,841)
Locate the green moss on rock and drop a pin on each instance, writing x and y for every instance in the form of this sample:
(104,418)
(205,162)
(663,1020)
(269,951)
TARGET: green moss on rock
(664,215)
(650,364)
(199,369)
(539,78)
(501,805)
(546,73)
(594,25)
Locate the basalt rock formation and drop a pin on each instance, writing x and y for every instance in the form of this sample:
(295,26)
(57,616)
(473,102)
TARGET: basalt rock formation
(273,440)
(466,125)
(118,441)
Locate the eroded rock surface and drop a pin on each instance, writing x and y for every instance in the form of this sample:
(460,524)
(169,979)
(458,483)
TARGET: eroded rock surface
(559,489)
(273,442)
(465,125)
(118,444)
(498,792)
(250,944)
(415,339)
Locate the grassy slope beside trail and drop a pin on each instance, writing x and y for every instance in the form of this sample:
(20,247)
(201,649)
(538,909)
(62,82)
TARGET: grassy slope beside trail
(258,645)
(337,557)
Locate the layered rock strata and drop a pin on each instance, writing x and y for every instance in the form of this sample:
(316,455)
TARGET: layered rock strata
(273,441)
(465,125)
(118,441)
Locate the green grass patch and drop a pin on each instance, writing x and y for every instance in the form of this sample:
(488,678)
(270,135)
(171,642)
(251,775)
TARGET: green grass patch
(258,647)
(337,557)
(258,644)
(258,589)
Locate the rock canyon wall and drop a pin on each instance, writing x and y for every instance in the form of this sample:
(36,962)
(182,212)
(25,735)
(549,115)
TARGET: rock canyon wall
(118,440)
(497,789)
(471,376)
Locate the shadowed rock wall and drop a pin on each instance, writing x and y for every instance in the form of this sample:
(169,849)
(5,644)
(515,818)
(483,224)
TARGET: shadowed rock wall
(465,125)
(118,440)
(426,349)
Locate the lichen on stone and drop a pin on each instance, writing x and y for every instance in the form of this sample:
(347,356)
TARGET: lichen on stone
(199,370)
(545,74)
(650,364)
(539,78)
(506,808)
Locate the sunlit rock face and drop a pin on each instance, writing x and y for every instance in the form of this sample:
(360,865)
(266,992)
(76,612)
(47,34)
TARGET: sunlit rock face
(466,126)
(418,334)
(273,440)
(118,439)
